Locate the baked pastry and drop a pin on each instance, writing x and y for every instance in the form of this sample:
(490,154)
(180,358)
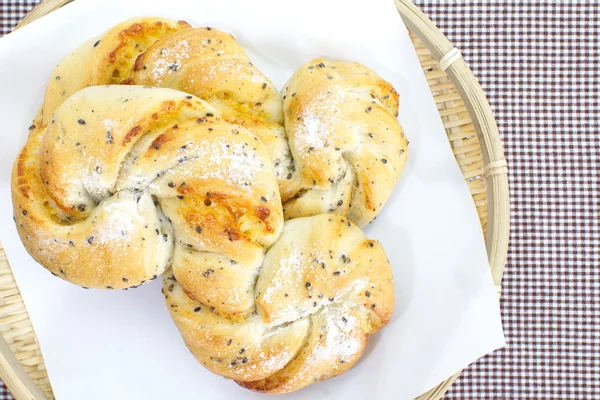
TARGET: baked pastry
(100,191)
(160,145)
(348,148)
(204,62)
(322,290)
(127,180)
(344,149)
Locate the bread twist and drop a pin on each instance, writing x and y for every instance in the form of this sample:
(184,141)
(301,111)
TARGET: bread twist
(205,62)
(100,192)
(127,180)
(343,139)
(323,289)
(117,183)
(348,147)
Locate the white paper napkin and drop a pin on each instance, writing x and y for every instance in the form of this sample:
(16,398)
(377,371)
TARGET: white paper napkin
(123,345)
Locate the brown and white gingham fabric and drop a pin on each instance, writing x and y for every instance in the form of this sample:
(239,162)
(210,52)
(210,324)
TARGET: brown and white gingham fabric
(538,62)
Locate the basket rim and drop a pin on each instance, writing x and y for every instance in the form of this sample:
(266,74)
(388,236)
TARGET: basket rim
(496,173)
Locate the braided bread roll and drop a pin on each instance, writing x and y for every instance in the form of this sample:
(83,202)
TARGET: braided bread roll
(204,62)
(348,148)
(100,192)
(323,289)
(117,183)
(343,139)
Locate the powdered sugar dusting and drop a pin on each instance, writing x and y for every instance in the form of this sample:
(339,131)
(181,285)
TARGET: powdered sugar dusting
(116,221)
(291,264)
(232,162)
(341,340)
(318,121)
(109,124)
(170,59)
(234,70)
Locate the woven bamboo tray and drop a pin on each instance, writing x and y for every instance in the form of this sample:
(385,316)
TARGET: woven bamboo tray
(474,139)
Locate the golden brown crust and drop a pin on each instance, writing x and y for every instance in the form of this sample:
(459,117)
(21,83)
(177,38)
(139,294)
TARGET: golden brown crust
(117,183)
(323,289)
(204,62)
(106,59)
(349,149)
(100,192)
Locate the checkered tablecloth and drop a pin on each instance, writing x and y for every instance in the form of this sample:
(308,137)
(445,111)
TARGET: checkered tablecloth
(538,62)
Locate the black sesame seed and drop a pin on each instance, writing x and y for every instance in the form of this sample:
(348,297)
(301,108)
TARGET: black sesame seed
(71,243)
(245,360)
(340,203)
(229,342)
(368,110)
(197,309)
(24,212)
(308,285)
(336,273)
(368,294)
(180,197)
(90,239)
(264,85)
(81,122)
(330,299)
(199,229)
(344,320)
(57,78)
(242,351)
(371,135)
(209,114)
(263,198)
(212,309)
(371,244)
(314,304)
(165,237)
(208,272)
(383,160)
(96,44)
(323,265)
(31,127)
(109,287)
(171,286)
(321,65)
(188,97)
(372,305)
(233,363)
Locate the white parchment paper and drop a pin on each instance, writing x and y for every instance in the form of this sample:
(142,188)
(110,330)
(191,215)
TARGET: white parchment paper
(123,345)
